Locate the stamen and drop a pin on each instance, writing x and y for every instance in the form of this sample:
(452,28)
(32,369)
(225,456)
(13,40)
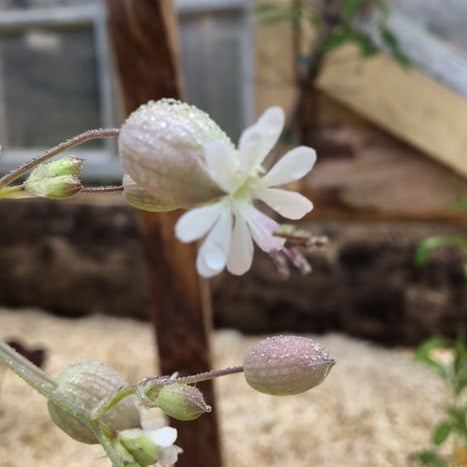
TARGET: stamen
(298,260)
(280,261)
(300,237)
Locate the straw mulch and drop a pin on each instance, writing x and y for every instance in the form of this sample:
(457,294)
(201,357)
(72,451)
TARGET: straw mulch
(376,407)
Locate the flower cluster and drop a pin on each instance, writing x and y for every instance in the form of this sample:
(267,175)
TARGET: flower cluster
(218,183)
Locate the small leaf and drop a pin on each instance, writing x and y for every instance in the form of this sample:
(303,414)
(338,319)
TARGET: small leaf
(464,270)
(426,247)
(367,47)
(461,203)
(430,458)
(350,8)
(334,41)
(459,422)
(391,42)
(460,354)
(441,433)
(424,351)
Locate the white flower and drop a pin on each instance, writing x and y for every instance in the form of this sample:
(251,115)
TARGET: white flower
(233,222)
(164,438)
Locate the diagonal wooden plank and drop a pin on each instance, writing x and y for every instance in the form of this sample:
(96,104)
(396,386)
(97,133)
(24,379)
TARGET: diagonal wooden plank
(407,103)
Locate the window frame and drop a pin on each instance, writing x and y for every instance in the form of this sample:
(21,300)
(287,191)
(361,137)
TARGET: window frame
(103,164)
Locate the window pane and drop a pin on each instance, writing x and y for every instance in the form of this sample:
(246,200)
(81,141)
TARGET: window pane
(41,3)
(211,57)
(50,87)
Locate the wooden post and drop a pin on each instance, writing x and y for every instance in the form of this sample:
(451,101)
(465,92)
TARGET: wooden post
(145,42)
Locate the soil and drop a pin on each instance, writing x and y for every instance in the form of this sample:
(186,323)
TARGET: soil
(376,407)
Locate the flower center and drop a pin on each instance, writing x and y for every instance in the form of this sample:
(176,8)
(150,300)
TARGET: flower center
(247,188)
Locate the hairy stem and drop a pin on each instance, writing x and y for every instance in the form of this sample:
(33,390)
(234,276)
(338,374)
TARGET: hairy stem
(26,370)
(102,189)
(192,379)
(70,143)
(16,191)
(109,402)
(106,443)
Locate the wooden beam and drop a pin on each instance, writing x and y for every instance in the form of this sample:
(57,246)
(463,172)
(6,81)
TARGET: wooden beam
(432,54)
(407,103)
(146,49)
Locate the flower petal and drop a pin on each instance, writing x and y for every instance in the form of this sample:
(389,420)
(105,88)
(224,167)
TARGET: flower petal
(222,164)
(203,269)
(213,252)
(168,456)
(197,222)
(241,249)
(292,166)
(261,228)
(163,437)
(287,203)
(153,424)
(257,140)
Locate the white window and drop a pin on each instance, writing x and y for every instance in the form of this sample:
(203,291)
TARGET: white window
(56,79)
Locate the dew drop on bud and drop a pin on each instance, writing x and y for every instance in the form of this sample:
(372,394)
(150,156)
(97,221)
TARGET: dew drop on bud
(286,365)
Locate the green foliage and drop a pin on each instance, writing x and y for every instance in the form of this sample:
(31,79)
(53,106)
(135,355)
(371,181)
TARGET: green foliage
(342,27)
(441,433)
(392,44)
(427,246)
(448,358)
(270,13)
(430,458)
(430,244)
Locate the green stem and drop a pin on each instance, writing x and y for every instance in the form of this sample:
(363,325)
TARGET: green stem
(70,143)
(102,189)
(26,370)
(16,191)
(192,379)
(42,383)
(109,402)
(105,442)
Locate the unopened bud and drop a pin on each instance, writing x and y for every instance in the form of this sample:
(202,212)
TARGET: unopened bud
(69,165)
(60,187)
(182,401)
(85,384)
(139,198)
(286,365)
(161,145)
(140,447)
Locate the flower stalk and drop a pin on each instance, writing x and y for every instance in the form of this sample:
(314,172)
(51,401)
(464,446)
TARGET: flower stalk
(58,149)
(45,385)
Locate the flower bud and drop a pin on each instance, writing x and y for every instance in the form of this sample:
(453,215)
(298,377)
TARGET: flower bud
(140,447)
(65,166)
(286,365)
(60,187)
(140,199)
(161,145)
(85,384)
(182,401)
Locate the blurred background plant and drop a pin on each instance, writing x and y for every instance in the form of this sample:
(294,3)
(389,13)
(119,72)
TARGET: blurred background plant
(448,359)
(430,244)
(334,23)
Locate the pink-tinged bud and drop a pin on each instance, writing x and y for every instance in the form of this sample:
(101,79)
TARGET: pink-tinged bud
(182,401)
(161,145)
(286,365)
